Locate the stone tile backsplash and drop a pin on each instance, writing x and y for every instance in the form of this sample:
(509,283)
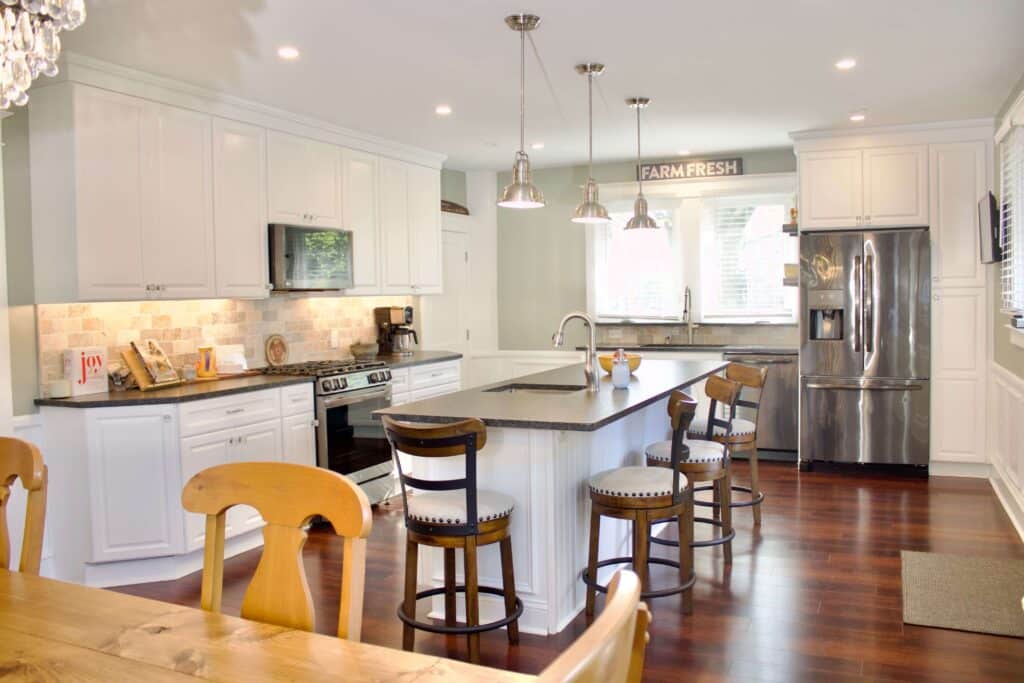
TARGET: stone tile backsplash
(183,326)
(745,335)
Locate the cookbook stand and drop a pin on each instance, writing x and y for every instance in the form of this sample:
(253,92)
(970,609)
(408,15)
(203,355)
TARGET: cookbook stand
(142,376)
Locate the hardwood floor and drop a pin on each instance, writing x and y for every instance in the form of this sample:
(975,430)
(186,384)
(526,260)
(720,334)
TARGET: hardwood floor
(814,595)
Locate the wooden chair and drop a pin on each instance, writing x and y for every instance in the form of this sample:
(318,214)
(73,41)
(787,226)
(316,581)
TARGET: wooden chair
(288,496)
(645,495)
(21,460)
(743,438)
(612,649)
(450,514)
(706,460)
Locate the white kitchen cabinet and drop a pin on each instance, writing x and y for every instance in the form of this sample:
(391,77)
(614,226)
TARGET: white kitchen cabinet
(134,483)
(260,442)
(240,209)
(831,190)
(299,437)
(432,392)
(360,178)
(396,271)
(410,228)
(958,180)
(197,454)
(304,183)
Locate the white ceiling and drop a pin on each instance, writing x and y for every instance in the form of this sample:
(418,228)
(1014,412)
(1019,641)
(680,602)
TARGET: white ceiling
(725,75)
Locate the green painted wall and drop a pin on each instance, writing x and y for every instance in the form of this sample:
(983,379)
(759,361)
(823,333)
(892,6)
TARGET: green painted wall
(541,254)
(453,186)
(1006,354)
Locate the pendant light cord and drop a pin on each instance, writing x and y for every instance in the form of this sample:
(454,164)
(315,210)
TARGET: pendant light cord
(522,91)
(639,175)
(590,132)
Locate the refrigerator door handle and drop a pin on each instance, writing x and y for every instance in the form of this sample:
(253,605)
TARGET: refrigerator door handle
(874,385)
(858,288)
(869,300)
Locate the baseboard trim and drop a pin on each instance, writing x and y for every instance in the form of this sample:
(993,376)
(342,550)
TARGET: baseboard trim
(974,470)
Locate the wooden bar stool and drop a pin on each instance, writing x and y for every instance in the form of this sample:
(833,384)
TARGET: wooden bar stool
(644,495)
(706,461)
(453,514)
(743,438)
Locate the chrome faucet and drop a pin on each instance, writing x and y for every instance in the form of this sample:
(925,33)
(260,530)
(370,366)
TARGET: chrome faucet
(688,316)
(558,338)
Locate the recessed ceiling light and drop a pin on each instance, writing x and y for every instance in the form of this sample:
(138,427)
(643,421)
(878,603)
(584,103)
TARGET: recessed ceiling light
(288,52)
(442,110)
(846,63)
(684,152)
(858,116)
(537,145)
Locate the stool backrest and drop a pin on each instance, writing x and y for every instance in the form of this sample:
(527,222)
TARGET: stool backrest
(463,438)
(681,410)
(726,392)
(612,650)
(288,496)
(750,377)
(21,460)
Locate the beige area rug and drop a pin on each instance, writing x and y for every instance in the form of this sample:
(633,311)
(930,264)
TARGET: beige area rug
(963,593)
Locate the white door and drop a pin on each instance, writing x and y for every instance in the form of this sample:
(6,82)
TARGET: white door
(896,186)
(446,316)
(323,178)
(831,193)
(958,180)
(396,276)
(303,181)
(197,454)
(240,209)
(425,229)
(359,182)
(177,235)
(256,442)
(133,468)
(109,168)
(299,436)
(958,375)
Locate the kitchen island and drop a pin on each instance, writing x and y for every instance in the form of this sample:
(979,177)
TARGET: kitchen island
(546,436)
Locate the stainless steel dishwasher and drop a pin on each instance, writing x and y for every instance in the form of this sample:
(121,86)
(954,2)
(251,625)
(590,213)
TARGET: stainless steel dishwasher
(777,419)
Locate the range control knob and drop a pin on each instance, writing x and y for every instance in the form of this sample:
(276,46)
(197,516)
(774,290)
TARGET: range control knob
(387,375)
(341,382)
(374,378)
(326,385)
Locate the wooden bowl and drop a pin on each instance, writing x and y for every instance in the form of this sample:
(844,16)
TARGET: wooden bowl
(607,359)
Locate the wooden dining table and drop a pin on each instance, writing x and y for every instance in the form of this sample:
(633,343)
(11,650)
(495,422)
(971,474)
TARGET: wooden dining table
(51,630)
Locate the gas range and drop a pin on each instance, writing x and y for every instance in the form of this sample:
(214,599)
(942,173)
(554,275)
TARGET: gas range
(337,376)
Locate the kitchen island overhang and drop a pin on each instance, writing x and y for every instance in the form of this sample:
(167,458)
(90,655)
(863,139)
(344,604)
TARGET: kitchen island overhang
(542,448)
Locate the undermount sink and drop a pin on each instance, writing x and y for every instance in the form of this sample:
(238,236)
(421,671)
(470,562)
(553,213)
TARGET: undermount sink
(516,388)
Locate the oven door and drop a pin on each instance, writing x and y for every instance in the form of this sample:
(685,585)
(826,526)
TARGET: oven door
(349,440)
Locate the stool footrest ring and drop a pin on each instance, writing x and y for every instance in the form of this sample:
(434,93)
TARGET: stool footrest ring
(734,504)
(461,630)
(646,595)
(699,544)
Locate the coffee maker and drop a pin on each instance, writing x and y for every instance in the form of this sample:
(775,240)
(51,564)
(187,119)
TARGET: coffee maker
(394,336)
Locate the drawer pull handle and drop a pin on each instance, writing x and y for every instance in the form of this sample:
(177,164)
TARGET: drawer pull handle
(235,411)
(298,399)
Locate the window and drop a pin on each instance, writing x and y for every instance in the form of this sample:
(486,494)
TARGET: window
(1012,219)
(743,253)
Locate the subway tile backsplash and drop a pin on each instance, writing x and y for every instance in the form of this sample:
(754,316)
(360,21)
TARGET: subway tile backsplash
(740,335)
(182,327)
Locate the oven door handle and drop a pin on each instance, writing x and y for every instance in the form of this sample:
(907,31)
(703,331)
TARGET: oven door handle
(338,400)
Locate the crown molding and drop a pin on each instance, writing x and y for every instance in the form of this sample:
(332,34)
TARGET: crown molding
(884,136)
(79,68)
(1014,117)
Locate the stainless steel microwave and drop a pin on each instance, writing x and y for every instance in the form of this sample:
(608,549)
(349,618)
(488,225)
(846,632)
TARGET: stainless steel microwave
(304,258)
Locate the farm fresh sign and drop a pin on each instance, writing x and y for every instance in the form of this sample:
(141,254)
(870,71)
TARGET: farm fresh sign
(691,168)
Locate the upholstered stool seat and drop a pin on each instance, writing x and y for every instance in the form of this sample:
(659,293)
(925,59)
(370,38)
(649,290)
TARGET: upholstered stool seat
(635,482)
(449,507)
(741,427)
(701,451)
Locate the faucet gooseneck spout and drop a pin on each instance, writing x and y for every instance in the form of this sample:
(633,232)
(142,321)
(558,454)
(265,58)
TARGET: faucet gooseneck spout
(558,338)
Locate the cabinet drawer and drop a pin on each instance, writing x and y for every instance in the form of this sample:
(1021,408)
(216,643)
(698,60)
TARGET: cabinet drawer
(297,399)
(199,417)
(399,381)
(435,374)
(431,392)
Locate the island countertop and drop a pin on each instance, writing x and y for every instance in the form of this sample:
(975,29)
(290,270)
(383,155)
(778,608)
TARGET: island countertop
(572,411)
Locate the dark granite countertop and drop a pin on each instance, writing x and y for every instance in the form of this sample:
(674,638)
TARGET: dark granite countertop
(418,358)
(723,348)
(573,411)
(196,391)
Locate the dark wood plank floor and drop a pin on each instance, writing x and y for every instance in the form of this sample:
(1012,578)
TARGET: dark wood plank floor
(814,595)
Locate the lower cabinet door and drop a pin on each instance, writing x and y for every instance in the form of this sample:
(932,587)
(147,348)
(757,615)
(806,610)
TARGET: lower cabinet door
(257,442)
(299,437)
(197,454)
(133,482)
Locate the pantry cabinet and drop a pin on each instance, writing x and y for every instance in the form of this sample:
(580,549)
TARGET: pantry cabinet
(410,228)
(958,180)
(303,181)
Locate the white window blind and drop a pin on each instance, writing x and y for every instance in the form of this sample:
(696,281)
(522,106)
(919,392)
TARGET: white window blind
(1011,219)
(743,253)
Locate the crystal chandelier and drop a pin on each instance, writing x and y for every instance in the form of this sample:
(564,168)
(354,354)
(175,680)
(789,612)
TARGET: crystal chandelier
(30,42)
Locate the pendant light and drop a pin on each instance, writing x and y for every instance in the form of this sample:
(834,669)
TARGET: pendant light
(640,218)
(590,210)
(521,192)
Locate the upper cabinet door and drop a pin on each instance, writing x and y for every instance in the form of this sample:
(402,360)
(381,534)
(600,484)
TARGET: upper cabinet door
(396,274)
(109,148)
(240,209)
(896,186)
(303,182)
(831,194)
(958,180)
(177,237)
(425,229)
(359,198)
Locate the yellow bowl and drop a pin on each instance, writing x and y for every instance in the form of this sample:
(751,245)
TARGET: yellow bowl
(607,359)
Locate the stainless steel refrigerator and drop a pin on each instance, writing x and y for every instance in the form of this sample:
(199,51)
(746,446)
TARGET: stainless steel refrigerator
(865,346)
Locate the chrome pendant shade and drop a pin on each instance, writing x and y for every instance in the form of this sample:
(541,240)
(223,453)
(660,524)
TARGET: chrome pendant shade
(641,219)
(590,209)
(521,193)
